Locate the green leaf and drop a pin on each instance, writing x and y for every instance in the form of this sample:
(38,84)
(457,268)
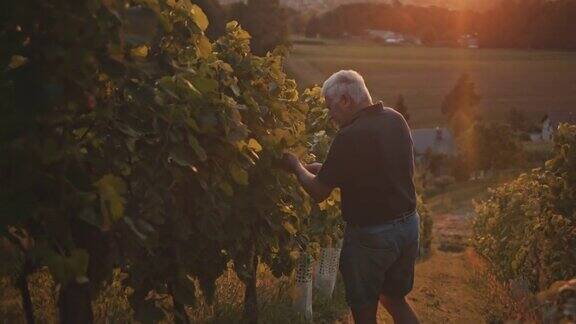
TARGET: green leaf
(238,174)
(64,269)
(90,216)
(78,262)
(111,190)
(198,149)
(226,188)
(205,84)
(182,156)
(58,269)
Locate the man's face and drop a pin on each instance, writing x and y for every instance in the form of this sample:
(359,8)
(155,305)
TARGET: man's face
(340,109)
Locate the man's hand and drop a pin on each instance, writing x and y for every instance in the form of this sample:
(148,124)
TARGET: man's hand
(306,177)
(290,162)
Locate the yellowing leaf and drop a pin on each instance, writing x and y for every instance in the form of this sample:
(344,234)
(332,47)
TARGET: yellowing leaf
(307,207)
(204,46)
(102,77)
(280,134)
(243,35)
(111,189)
(289,227)
(254,145)
(238,174)
(226,67)
(231,25)
(139,52)
(199,17)
(17,61)
(300,150)
(286,209)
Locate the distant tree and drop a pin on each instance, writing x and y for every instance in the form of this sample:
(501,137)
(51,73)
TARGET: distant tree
(265,20)
(510,24)
(434,162)
(313,27)
(216,16)
(517,120)
(489,146)
(402,108)
(298,20)
(460,106)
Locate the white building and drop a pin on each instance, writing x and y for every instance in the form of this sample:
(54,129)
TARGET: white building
(551,121)
(436,140)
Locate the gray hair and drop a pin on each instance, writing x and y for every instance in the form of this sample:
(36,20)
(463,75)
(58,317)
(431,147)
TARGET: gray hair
(347,82)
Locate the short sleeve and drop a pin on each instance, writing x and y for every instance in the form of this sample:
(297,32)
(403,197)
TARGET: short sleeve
(333,169)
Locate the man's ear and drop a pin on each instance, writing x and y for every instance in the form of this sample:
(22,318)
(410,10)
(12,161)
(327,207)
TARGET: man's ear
(345,100)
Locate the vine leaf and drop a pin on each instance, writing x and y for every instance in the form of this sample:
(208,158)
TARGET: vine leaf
(199,17)
(289,227)
(67,268)
(139,52)
(204,47)
(111,190)
(17,61)
(238,174)
(198,149)
(254,145)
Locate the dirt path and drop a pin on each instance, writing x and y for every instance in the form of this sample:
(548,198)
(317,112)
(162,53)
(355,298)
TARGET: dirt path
(442,292)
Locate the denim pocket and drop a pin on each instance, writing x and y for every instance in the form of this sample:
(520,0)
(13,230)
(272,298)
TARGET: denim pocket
(382,240)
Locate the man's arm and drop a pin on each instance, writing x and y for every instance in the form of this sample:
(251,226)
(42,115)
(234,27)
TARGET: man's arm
(313,168)
(316,189)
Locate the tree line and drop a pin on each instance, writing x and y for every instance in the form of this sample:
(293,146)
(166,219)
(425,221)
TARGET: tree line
(537,24)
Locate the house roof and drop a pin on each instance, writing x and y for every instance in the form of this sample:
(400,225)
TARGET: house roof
(438,140)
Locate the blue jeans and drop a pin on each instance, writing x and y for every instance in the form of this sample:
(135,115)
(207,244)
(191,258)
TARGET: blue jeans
(379,260)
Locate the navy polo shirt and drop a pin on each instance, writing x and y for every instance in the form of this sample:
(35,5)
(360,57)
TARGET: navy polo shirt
(371,160)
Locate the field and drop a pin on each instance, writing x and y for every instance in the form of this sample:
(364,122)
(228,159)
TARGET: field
(534,82)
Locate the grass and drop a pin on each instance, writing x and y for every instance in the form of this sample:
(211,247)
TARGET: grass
(534,82)
(460,195)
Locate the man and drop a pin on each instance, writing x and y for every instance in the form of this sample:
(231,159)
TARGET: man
(371,161)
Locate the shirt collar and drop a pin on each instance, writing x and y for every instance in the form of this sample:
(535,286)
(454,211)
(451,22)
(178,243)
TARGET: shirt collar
(367,111)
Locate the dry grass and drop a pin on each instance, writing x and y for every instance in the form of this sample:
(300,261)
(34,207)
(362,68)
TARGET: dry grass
(503,301)
(42,292)
(112,306)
